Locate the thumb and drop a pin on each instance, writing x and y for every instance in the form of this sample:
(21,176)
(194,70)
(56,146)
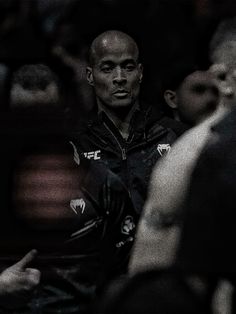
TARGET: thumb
(28,258)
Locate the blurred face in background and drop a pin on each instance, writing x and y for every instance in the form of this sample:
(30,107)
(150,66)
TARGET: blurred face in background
(195,99)
(224,71)
(21,97)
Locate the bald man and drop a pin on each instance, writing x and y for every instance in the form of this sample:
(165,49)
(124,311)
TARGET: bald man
(126,135)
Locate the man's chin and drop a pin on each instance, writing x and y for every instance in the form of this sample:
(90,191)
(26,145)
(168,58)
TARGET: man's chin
(121,103)
(120,107)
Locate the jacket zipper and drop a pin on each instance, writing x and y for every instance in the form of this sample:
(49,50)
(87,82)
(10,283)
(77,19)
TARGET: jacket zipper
(123,153)
(123,150)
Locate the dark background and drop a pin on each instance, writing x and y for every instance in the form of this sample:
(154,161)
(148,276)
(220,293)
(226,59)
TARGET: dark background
(167,32)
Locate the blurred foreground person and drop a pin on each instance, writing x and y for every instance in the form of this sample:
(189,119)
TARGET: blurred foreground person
(159,232)
(207,239)
(153,292)
(206,245)
(161,223)
(222,53)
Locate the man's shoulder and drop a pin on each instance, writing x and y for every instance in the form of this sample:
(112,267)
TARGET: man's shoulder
(82,126)
(157,117)
(176,126)
(93,124)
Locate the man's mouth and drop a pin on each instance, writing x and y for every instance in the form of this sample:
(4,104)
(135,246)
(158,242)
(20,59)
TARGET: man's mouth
(121,93)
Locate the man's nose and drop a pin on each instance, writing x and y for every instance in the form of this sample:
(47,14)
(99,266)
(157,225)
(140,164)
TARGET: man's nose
(119,76)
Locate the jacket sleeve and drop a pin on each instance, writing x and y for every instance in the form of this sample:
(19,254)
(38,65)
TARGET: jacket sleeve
(113,204)
(120,224)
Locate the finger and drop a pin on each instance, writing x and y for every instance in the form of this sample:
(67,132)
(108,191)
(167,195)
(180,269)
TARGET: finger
(34,275)
(28,258)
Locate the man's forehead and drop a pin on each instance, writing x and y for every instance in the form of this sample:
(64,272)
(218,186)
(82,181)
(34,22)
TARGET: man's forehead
(200,77)
(109,48)
(116,58)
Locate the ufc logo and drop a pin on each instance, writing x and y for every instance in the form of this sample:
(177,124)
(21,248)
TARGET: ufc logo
(93,155)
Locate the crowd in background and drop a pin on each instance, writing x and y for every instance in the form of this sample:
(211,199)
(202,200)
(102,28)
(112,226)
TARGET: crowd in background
(182,257)
(59,33)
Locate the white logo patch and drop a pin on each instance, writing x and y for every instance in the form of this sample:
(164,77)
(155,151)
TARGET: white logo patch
(78,204)
(93,155)
(127,225)
(163,149)
(76,154)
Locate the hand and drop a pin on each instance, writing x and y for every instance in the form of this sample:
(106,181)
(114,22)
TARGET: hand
(18,282)
(225,80)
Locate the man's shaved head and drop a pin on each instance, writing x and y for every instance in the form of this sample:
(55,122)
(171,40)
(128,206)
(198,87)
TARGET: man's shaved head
(114,71)
(112,39)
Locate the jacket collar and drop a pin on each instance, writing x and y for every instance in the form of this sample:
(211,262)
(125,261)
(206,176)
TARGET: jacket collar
(141,117)
(143,126)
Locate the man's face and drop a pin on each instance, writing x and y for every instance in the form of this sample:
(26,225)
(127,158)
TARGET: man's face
(115,75)
(198,97)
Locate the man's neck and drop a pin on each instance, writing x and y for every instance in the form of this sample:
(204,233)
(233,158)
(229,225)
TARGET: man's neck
(120,117)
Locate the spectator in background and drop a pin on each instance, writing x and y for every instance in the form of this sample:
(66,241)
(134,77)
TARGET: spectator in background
(192,98)
(126,135)
(35,88)
(19,38)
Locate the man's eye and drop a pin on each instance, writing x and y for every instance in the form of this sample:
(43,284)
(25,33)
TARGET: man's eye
(106,69)
(221,76)
(129,67)
(200,89)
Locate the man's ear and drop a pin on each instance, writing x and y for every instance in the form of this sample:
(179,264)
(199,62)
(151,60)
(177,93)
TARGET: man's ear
(171,98)
(89,75)
(140,66)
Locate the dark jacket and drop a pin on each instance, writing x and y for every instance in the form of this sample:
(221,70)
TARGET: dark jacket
(151,136)
(89,238)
